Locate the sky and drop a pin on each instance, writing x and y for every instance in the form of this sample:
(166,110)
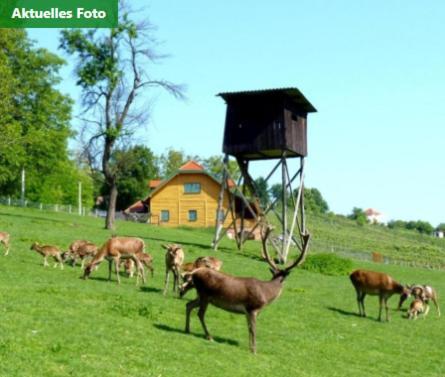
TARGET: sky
(375,71)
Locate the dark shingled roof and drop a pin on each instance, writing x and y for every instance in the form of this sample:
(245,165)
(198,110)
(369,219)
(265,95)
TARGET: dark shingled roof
(292,93)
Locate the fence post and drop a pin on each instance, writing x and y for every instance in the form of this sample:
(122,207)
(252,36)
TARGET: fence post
(41,206)
(69,208)
(56,207)
(9,201)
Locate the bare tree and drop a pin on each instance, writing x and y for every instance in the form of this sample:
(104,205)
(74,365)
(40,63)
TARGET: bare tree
(110,71)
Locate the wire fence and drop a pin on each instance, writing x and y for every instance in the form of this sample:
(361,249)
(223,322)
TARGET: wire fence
(67,208)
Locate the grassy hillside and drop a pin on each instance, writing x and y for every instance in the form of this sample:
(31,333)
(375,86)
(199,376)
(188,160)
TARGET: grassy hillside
(55,324)
(344,236)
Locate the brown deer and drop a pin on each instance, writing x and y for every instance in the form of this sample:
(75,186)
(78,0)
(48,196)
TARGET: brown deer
(173,261)
(81,249)
(423,292)
(115,249)
(48,251)
(375,284)
(187,268)
(417,307)
(4,239)
(242,295)
(146,260)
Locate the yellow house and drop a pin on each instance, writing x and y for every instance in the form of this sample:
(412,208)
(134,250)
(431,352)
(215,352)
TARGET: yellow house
(189,197)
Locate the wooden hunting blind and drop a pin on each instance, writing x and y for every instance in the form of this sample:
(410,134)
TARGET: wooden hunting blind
(263,124)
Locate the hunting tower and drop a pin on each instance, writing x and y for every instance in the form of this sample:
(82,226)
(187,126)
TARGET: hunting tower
(264,125)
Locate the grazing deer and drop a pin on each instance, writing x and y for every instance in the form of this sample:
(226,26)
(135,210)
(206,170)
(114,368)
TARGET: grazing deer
(423,292)
(48,251)
(146,260)
(173,261)
(242,295)
(375,284)
(4,239)
(417,307)
(80,249)
(187,268)
(115,249)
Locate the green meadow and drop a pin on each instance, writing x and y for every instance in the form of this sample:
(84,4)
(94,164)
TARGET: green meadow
(52,323)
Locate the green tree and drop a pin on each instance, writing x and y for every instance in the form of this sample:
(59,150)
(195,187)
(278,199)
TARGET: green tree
(262,190)
(214,165)
(275,191)
(314,201)
(441,227)
(171,161)
(34,115)
(111,70)
(359,216)
(140,166)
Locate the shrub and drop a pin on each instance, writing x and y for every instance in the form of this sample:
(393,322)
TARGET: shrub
(328,264)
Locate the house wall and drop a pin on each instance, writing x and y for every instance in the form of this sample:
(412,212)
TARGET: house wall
(172,197)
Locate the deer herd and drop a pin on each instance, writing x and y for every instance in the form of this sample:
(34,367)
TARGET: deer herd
(241,295)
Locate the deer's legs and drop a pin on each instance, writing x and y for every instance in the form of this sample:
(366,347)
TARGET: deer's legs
(427,309)
(251,323)
(201,314)
(167,272)
(7,249)
(383,300)
(188,309)
(140,270)
(361,303)
(45,262)
(58,258)
(116,264)
(110,267)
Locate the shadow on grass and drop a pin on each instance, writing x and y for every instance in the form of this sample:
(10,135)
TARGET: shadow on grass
(217,339)
(150,289)
(343,312)
(355,314)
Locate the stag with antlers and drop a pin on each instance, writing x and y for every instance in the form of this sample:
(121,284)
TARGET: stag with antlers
(242,295)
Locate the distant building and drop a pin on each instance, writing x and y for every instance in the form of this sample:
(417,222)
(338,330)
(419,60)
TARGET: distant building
(373,215)
(439,233)
(189,197)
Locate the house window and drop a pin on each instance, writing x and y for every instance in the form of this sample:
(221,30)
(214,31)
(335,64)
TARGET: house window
(193,215)
(165,216)
(192,188)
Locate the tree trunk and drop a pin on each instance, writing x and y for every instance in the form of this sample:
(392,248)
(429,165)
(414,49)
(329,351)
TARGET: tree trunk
(111,212)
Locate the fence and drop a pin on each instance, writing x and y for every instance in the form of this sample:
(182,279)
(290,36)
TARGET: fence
(67,208)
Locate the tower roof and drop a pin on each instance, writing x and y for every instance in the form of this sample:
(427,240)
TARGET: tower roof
(293,94)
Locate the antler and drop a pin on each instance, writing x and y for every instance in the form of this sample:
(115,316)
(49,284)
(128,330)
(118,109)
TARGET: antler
(305,239)
(264,238)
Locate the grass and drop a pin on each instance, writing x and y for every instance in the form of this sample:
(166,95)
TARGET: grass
(55,324)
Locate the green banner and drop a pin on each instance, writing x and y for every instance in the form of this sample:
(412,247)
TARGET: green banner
(58,13)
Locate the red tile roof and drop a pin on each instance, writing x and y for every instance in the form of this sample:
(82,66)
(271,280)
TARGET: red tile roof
(191,165)
(154,183)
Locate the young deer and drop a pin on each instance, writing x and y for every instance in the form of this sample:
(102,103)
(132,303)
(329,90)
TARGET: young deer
(242,295)
(48,251)
(375,284)
(423,292)
(81,249)
(4,239)
(146,260)
(417,307)
(173,261)
(115,249)
(187,268)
